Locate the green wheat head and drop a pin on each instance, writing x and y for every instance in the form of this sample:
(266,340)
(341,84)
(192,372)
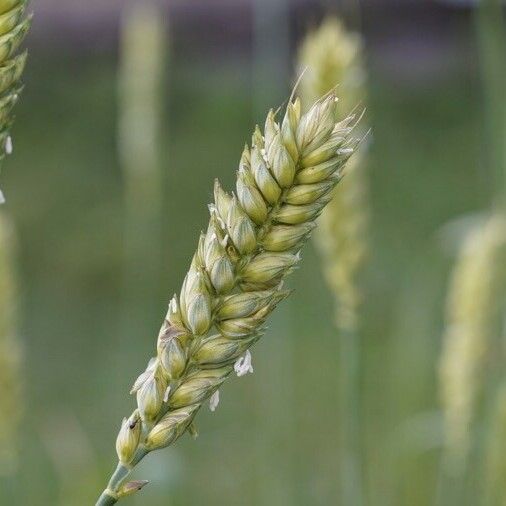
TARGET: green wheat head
(235,280)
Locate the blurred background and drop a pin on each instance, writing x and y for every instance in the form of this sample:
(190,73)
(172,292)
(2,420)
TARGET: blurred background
(104,240)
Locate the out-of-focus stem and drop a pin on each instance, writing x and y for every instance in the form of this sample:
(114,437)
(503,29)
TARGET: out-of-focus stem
(491,35)
(142,67)
(350,434)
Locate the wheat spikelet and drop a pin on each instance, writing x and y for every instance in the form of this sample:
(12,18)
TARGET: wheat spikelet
(332,56)
(13,28)
(10,355)
(471,318)
(235,280)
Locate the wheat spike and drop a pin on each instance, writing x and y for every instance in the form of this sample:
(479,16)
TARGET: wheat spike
(10,355)
(332,56)
(471,319)
(235,280)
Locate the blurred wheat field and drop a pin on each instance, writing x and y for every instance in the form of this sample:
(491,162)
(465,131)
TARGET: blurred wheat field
(65,187)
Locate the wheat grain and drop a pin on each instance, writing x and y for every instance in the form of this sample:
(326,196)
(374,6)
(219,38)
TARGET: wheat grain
(471,320)
(236,276)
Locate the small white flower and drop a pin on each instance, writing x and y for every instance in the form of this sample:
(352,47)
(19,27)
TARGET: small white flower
(8,145)
(243,365)
(214,400)
(2,198)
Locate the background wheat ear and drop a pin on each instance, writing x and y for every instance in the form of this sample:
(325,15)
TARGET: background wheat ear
(472,360)
(331,57)
(473,318)
(235,280)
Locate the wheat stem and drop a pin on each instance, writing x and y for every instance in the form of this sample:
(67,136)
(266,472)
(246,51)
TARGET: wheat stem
(491,37)
(235,279)
(141,75)
(350,435)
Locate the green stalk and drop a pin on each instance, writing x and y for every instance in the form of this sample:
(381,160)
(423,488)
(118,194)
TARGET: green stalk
(112,493)
(491,36)
(141,75)
(350,434)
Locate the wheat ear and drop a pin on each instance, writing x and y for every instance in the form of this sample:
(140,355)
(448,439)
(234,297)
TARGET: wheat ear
(332,56)
(10,355)
(252,242)
(472,315)
(13,27)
